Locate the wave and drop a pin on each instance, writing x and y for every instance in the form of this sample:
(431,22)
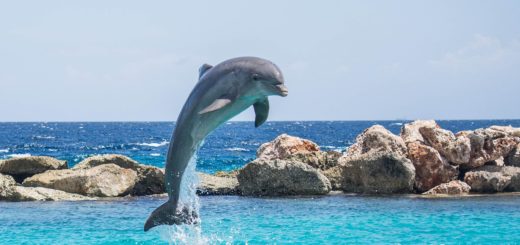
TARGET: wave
(163,143)
(236,149)
(4,150)
(44,137)
(155,154)
(19,155)
(396,124)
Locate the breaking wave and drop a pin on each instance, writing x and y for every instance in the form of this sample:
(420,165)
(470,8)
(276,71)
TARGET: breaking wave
(153,144)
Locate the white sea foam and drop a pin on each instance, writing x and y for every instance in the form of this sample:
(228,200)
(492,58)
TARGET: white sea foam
(19,155)
(155,154)
(44,137)
(396,124)
(236,149)
(4,150)
(153,144)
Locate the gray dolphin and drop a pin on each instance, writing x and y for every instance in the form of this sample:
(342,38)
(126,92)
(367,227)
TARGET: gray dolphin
(223,91)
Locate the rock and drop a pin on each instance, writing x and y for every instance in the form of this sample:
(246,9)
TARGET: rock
(263,177)
(150,179)
(493,178)
(373,172)
(319,159)
(508,130)
(23,167)
(107,180)
(513,159)
(6,182)
(410,132)
(213,185)
(284,146)
(377,138)
(456,149)
(454,187)
(488,145)
(231,174)
(431,169)
(21,193)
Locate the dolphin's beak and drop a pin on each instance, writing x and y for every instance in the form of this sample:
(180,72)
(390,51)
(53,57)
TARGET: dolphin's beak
(282,90)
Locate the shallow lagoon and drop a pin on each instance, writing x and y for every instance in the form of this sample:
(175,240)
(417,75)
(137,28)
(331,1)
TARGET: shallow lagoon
(229,219)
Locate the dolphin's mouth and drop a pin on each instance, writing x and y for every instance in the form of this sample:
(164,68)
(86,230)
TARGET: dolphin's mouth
(282,90)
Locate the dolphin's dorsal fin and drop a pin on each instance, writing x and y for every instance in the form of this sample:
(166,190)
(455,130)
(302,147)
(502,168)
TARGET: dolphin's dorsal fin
(203,69)
(261,111)
(216,105)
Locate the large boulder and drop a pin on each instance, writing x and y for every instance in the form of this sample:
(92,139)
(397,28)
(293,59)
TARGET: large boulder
(490,178)
(410,132)
(456,149)
(513,159)
(431,169)
(107,180)
(377,138)
(319,159)
(214,185)
(23,167)
(508,130)
(150,179)
(263,177)
(6,182)
(488,145)
(373,172)
(284,146)
(454,187)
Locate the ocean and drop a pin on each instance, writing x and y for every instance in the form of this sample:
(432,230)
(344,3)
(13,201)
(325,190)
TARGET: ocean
(337,218)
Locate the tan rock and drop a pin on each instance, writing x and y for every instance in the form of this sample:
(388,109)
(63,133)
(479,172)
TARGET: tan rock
(23,167)
(107,180)
(455,149)
(454,187)
(410,132)
(284,146)
(431,169)
(377,138)
(214,185)
(490,178)
(263,177)
(21,193)
(513,158)
(373,172)
(488,145)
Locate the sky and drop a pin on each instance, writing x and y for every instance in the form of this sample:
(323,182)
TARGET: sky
(342,60)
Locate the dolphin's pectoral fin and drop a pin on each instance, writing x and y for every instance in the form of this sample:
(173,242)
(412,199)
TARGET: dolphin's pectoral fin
(203,69)
(167,214)
(261,111)
(216,105)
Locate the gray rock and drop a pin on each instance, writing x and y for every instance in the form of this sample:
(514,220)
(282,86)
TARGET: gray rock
(150,179)
(410,132)
(213,185)
(6,182)
(490,178)
(284,146)
(456,149)
(508,130)
(431,169)
(263,177)
(320,159)
(454,187)
(23,167)
(488,145)
(107,180)
(373,172)
(513,158)
(377,138)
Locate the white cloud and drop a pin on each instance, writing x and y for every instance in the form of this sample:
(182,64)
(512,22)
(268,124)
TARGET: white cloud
(480,52)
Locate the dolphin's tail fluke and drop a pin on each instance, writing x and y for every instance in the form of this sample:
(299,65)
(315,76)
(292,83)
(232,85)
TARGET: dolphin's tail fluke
(167,214)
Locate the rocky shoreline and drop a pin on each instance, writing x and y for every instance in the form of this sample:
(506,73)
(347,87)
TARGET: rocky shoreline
(424,159)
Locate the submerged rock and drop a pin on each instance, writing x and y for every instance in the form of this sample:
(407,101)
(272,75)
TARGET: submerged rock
(150,179)
(107,180)
(454,187)
(513,159)
(214,185)
(285,146)
(456,149)
(431,169)
(488,145)
(263,177)
(23,167)
(493,179)
(377,138)
(373,172)
(410,132)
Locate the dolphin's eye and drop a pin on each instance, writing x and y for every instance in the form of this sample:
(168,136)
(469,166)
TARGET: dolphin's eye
(256,77)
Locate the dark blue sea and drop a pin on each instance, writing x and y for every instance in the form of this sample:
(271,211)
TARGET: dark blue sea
(238,220)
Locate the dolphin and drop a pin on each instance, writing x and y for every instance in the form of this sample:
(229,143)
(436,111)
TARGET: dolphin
(222,92)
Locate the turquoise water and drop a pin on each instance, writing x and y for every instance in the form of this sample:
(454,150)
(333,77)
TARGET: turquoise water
(237,220)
